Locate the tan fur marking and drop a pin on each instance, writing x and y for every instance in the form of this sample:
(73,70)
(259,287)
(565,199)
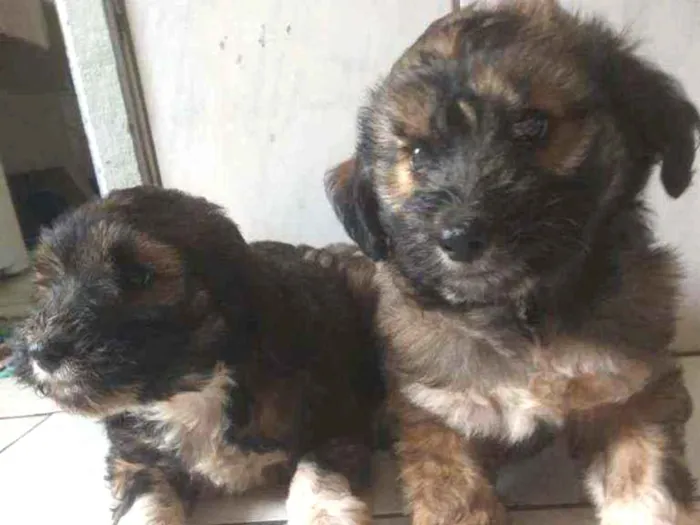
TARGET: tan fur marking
(627,449)
(627,482)
(46,267)
(401,182)
(155,509)
(567,145)
(570,135)
(566,395)
(411,109)
(103,234)
(168,286)
(490,83)
(469,112)
(343,173)
(123,472)
(164,258)
(442,482)
(159,506)
(194,426)
(72,399)
(634,452)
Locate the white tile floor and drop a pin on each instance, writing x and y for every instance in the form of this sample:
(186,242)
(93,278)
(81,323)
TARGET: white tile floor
(51,471)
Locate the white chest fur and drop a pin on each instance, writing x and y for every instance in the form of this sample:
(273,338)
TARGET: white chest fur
(556,381)
(193,426)
(508,413)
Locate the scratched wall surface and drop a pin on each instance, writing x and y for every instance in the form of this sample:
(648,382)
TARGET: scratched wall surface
(250,102)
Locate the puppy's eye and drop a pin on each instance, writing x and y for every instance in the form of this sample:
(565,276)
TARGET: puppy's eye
(531,127)
(135,276)
(420,159)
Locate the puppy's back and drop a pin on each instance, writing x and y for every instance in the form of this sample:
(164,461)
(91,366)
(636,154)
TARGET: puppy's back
(314,319)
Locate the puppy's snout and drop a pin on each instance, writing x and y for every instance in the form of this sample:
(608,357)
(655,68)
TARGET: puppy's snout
(464,241)
(49,356)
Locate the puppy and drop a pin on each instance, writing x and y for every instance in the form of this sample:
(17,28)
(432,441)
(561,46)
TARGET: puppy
(498,180)
(213,364)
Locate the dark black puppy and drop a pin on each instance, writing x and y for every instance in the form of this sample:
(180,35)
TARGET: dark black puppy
(498,180)
(214,364)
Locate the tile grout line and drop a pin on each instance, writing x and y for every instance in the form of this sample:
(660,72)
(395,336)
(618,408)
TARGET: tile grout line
(31,429)
(32,414)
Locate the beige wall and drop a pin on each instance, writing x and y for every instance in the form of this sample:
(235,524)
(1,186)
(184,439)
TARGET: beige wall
(250,102)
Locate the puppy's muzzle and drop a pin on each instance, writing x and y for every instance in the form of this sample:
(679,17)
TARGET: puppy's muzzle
(463,240)
(49,356)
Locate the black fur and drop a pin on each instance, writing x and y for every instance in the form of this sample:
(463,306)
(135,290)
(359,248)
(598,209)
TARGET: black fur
(151,296)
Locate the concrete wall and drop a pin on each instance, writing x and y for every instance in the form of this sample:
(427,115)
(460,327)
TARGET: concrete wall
(250,102)
(95,74)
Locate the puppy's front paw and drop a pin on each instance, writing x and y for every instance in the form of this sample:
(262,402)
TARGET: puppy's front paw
(148,509)
(645,512)
(488,511)
(317,497)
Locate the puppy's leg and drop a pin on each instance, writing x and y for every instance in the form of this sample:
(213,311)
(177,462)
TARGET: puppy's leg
(325,486)
(633,456)
(145,495)
(444,480)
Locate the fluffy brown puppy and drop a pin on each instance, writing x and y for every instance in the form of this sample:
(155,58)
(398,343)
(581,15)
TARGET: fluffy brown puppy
(214,364)
(498,179)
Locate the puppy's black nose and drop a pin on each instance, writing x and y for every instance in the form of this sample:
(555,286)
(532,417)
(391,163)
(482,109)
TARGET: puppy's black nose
(464,243)
(49,356)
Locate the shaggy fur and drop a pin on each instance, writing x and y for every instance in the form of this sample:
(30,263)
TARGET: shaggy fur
(214,364)
(497,181)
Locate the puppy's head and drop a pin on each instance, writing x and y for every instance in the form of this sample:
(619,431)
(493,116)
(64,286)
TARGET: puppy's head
(501,145)
(133,294)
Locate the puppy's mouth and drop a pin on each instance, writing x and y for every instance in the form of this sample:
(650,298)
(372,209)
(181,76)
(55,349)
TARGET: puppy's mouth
(478,281)
(60,376)
(475,269)
(72,397)
(59,384)
(72,392)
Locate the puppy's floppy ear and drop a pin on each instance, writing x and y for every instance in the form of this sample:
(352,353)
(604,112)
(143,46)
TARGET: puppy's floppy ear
(355,203)
(655,112)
